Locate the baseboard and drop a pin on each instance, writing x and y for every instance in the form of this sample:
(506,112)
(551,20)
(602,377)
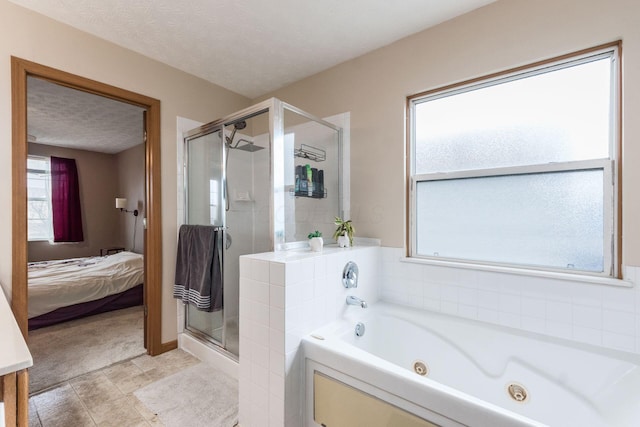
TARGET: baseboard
(168,346)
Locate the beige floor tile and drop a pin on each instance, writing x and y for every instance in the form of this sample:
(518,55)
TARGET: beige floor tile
(130,384)
(61,407)
(95,390)
(53,398)
(122,370)
(117,413)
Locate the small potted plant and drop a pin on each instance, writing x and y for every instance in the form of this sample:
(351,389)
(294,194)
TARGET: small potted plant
(315,241)
(344,232)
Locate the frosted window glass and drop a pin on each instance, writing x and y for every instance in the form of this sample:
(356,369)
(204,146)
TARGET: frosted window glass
(548,219)
(558,116)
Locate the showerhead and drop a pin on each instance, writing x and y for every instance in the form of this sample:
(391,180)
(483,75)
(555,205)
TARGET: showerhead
(247,146)
(236,126)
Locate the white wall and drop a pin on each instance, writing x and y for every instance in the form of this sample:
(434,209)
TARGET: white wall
(36,38)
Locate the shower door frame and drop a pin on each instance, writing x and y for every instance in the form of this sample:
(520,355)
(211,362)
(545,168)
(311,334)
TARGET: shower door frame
(275,109)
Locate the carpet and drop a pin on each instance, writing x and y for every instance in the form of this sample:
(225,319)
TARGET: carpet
(200,395)
(66,350)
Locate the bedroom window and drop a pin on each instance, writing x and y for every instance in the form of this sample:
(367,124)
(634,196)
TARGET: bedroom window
(520,170)
(39,217)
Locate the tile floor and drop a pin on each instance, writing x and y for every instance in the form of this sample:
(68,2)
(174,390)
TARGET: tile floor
(105,397)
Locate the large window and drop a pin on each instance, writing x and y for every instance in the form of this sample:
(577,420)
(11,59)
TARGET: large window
(39,217)
(520,169)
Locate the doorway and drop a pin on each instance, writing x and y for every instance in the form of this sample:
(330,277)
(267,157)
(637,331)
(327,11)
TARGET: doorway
(21,70)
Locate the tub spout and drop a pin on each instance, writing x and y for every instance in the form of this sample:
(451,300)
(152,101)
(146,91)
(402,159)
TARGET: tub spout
(351,300)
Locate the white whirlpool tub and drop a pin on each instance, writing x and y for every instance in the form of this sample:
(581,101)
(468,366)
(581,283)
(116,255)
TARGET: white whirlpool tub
(470,367)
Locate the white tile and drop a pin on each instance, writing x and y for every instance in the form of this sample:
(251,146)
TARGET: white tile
(587,335)
(293,295)
(276,340)
(414,288)
(619,322)
(295,273)
(432,290)
(559,290)
(588,317)
(276,410)
(559,329)
(260,398)
(509,303)
(276,296)
(533,324)
(510,284)
(259,313)
(320,267)
(449,307)
(487,315)
(260,356)
(395,297)
(534,307)
(276,318)
(260,270)
(259,376)
(559,311)
(320,287)
(618,341)
(468,296)
(259,292)
(261,334)
(276,386)
(619,299)
(588,294)
(509,319)
(468,311)
(277,273)
(437,274)
(307,290)
(488,281)
(431,304)
(245,267)
(449,293)
(276,362)
(488,300)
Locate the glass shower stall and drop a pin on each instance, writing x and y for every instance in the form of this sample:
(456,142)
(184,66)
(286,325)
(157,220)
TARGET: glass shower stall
(266,176)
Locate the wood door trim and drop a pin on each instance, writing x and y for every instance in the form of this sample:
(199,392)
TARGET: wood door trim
(20,70)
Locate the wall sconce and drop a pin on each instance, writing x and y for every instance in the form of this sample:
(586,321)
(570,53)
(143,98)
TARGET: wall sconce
(121,203)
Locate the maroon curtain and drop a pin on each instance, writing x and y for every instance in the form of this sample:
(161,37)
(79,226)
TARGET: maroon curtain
(65,201)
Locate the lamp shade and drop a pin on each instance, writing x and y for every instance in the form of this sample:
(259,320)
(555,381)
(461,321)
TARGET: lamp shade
(121,203)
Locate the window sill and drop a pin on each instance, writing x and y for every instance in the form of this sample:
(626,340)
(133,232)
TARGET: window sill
(580,278)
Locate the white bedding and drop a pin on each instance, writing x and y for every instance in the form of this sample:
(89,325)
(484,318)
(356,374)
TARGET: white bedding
(55,284)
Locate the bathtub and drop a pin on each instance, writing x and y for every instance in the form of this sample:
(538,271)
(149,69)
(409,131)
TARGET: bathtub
(475,374)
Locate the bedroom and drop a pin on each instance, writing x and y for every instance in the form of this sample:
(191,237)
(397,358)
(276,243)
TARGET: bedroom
(104,259)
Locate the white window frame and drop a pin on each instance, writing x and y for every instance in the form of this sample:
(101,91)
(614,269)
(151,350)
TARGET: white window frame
(48,200)
(609,166)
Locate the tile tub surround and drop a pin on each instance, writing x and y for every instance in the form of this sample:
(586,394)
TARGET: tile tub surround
(284,296)
(602,315)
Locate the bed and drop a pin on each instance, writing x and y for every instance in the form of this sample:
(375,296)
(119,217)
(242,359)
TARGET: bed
(67,289)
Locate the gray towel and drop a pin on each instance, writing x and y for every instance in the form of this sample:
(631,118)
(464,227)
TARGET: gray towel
(198,270)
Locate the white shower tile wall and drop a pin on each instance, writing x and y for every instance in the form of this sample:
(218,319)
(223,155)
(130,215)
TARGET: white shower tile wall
(283,297)
(602,315)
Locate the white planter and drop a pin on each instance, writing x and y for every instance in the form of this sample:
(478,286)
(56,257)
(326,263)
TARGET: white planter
(316,244)
(343,241)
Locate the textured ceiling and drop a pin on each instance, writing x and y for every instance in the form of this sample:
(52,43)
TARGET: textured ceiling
(64,117)
(252,46)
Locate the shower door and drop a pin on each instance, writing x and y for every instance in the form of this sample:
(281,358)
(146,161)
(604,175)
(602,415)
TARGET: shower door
(205,205)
